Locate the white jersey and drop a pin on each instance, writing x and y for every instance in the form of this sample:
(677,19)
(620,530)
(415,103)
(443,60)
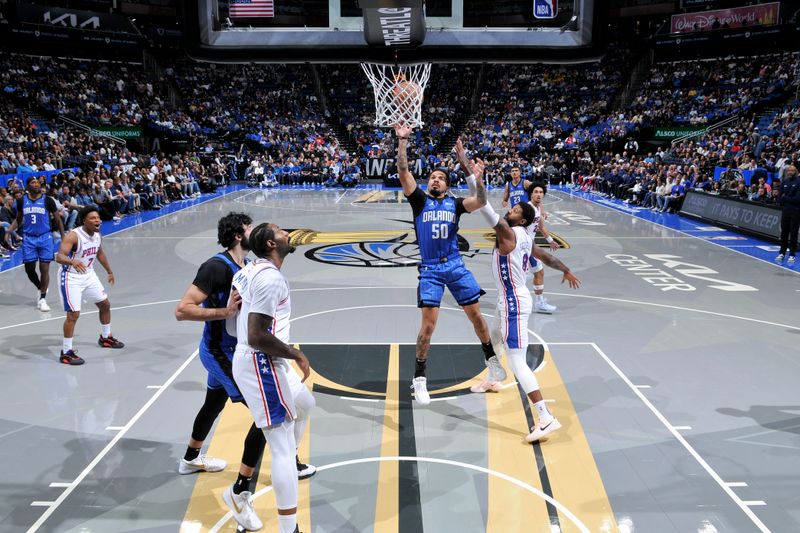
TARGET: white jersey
(266,382)
(85,251)
(263,290)
(534,227)
(508,271)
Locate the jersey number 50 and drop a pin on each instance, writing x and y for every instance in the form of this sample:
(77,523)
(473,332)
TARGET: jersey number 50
(440,231)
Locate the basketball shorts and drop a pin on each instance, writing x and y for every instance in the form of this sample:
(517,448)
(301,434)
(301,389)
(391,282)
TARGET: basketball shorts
(37,248)
(74,287)
(268,385)
(511,321)
(459,281)
(219,365)
(536,265)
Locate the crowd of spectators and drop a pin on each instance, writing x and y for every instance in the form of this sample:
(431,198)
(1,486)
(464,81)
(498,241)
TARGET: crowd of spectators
(557,121)
(92,92)
(704,91)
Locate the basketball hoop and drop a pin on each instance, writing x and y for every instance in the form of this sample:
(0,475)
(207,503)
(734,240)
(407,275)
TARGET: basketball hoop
(398,92)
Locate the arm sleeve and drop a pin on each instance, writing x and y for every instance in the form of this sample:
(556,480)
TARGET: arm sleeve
(417,201)
(209,275)
(460,209)
(267,290)
(19,208)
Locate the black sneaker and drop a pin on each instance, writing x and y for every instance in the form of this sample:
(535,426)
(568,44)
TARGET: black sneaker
(71,358)
(109,342)
(304,471)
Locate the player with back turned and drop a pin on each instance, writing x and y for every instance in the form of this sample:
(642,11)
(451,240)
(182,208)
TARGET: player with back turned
(436,217)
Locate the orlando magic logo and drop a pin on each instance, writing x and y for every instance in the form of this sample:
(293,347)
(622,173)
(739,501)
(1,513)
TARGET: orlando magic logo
(397,252)
(391,253)
(386,248)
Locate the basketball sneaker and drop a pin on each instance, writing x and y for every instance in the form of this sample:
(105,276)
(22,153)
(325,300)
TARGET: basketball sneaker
(109,342)
(779,258)
(71,358)
(304,471)
(241,505)
(420,386)
(791,260)
(540,430)
(543,307)
(496,370)
(42,306)
(201,463)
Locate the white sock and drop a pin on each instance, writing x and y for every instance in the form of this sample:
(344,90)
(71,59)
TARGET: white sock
(544,414)
(66,345)
(106,329)
(287,523)
(538,297)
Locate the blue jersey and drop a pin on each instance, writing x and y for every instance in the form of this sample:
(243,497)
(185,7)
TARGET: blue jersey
(517,193)
(436,224)
(36,215)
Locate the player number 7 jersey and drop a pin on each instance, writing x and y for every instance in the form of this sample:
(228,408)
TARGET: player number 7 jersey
(85,251)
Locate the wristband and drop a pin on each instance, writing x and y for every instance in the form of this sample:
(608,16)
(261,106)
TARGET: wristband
(490,215)
(549,239)
(472,183)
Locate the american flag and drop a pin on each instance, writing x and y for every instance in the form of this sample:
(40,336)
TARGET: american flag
(252,8)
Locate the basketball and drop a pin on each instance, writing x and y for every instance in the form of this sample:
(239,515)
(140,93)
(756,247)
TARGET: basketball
(406,93)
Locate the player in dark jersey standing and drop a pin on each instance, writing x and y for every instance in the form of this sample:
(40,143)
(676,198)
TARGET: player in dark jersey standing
(436,217)
(33,216)
(209,299)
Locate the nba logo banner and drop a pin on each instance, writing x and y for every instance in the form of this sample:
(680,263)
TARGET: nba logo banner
(545,9)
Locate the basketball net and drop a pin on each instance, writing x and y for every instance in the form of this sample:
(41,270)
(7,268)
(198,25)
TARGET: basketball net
(398,92)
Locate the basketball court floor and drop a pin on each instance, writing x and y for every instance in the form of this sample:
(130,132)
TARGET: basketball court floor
(673,371)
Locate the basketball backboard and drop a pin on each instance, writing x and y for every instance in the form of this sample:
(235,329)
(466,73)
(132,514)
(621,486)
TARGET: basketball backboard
(332,31)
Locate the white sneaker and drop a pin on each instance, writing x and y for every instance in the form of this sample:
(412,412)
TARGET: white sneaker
(420,386)
(779,258)
(791,260)
(304,471)
(242,508)
(42,305)
(541,431)
(543,307)
(496,370)
(201,463)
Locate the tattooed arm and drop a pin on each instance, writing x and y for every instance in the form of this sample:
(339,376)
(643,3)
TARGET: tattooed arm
(554,262)
(406,178)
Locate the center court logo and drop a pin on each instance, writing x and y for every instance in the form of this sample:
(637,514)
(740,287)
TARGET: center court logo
(386,248)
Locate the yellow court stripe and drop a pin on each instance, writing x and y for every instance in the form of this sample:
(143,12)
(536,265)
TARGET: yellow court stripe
(206,505)
(509,508)
(387,503)
(571,468)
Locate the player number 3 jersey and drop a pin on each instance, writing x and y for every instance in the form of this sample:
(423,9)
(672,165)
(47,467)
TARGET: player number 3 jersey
(85,251)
